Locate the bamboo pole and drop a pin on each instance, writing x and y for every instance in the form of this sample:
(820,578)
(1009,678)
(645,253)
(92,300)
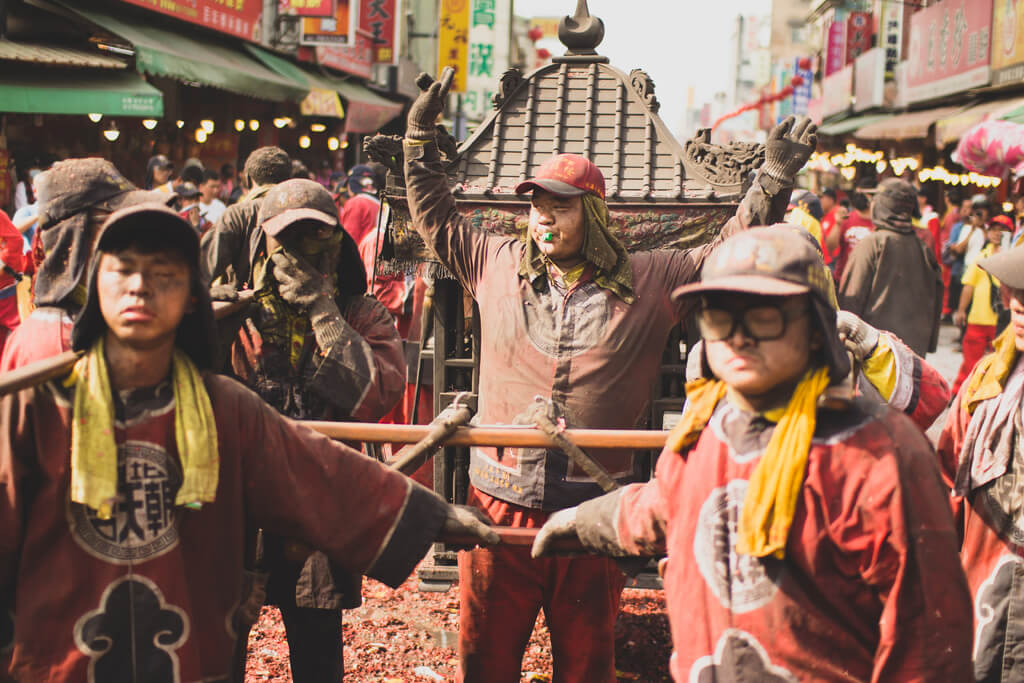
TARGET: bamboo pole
(412,458)
(46,369)
(512,437)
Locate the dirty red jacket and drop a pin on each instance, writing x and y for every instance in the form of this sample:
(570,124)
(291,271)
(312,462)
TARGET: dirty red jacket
(158,586)
(595,356)
(870,588)
(992,549)
(44,333)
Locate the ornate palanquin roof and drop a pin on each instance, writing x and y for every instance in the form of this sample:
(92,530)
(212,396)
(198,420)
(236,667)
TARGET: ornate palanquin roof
(661,194)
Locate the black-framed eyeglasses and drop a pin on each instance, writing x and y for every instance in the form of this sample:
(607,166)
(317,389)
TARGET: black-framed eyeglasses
(763,322)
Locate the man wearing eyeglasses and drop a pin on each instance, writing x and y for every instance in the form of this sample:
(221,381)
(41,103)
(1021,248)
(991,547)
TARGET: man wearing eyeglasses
(809,535)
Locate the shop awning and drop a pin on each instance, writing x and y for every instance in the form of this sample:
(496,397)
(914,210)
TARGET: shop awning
(35,90)
(952,128)
(1016,116)
(911,125)
(851,124)
(367,111)
(322,99)
(161,52)
(55,55)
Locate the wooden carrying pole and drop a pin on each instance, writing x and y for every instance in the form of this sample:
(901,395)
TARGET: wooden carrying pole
(46,369)
(410,459)
(512,437)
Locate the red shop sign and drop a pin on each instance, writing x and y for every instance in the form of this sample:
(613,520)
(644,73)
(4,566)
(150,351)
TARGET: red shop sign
(950,46)
(239,18)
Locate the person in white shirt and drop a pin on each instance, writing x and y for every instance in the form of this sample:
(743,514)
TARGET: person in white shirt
(210,207)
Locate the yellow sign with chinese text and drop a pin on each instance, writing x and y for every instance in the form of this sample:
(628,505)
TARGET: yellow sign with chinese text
(453,41)
(1007,33)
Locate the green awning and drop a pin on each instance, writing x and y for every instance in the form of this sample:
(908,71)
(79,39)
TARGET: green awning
(322,98)
(849,125)
(1016,116)
(78,91)
(366,112)
(188,58)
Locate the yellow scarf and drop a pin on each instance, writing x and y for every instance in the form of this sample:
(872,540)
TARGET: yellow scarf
(990,374)
(94,450)
(774,486)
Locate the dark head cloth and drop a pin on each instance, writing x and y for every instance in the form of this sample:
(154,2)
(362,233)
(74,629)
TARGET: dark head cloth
(150,224)
(779,260)
(301,199)
(895,205)
(66,193)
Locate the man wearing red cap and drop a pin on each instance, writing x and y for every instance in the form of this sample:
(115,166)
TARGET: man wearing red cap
(568,315)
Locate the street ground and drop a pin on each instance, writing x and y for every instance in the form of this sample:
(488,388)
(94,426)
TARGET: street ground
(408,636)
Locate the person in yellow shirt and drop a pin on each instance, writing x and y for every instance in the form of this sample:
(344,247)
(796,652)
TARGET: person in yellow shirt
(976,309)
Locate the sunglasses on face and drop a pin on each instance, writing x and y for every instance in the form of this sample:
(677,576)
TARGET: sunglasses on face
(763,322)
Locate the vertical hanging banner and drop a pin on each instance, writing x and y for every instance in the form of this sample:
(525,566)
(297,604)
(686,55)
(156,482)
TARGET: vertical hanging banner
(306,8)
(490,28)
(378,21)
(453,40)
(336,30)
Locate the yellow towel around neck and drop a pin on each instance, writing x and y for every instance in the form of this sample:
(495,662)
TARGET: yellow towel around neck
(990,375)
(774,486)
(94,449)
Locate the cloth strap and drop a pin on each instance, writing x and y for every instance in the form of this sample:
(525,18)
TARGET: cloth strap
(94,448)
(775,484)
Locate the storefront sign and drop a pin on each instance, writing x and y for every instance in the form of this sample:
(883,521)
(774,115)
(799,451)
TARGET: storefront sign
(835,48)
(489,32)
(891,36)
(306,8)
(239,18)
(1008,42)
(336,30)
(322,103)
(802,93)
(835,92)
(378,21)
(354,59)
(949,48)
(453,42)
(858,35)
(869,80)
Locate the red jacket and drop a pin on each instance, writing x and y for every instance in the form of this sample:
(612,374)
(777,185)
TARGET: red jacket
(870,588)
(992,547)
(157,588)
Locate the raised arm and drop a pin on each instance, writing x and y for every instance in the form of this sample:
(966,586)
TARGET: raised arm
(788,148)
(459,246)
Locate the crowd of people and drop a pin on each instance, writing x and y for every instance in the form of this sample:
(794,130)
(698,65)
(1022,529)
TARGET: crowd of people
(812,531)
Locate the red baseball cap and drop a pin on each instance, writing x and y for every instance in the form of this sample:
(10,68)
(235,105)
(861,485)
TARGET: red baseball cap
(567,175)
(1003,222)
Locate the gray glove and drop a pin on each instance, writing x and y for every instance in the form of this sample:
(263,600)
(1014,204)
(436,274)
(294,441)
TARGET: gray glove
(299,282)
(223,293)
(464,522)
(789,146)
(422,119)
(561,524)
(859,337)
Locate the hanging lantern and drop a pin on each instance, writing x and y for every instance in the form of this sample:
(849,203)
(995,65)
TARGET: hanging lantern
(207,125)
(239,125)
(304,142)
(332,143)
(149,124)
(112,133)
(95,118)
(254,125)
(200,135)
(318,128)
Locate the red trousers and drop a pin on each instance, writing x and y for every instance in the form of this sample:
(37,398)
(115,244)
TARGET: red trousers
(977,342)
(501,590)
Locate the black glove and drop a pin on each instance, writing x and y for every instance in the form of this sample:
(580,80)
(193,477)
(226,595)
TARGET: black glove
(464,521)
(422,120)
(789,146)
(299,282)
